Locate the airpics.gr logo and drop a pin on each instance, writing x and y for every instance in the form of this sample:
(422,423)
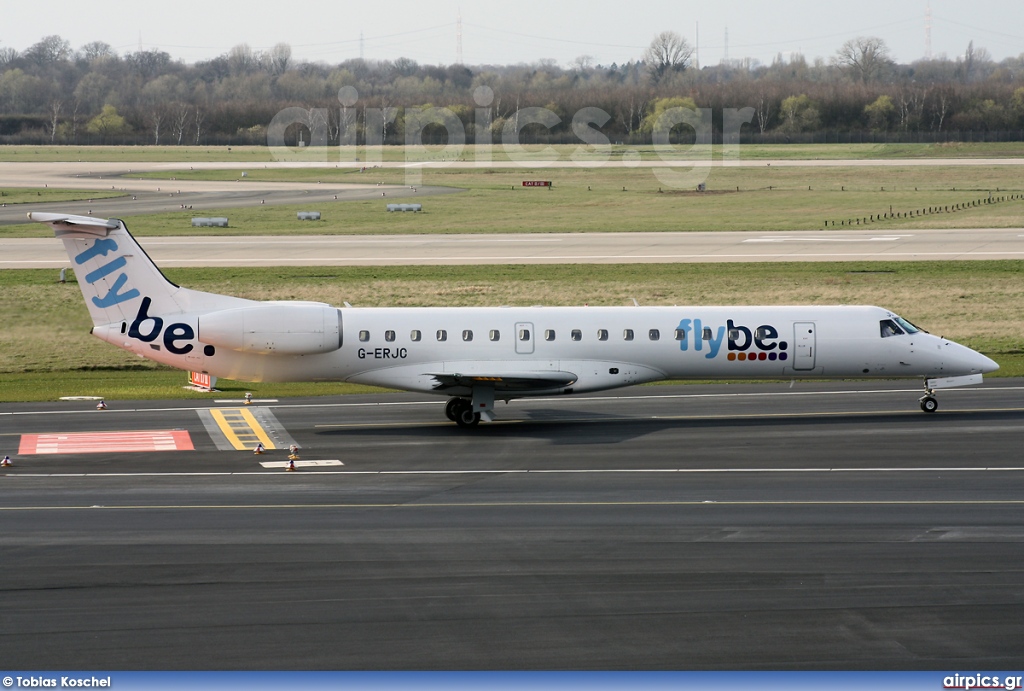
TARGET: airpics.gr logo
(742,343)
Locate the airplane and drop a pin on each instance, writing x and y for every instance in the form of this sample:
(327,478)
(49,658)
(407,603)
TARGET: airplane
(478,355)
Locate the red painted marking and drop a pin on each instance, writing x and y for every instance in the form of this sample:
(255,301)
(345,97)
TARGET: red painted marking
(105,442)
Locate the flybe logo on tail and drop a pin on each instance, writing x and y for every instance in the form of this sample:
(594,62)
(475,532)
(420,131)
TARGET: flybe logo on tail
(742,343)
(114,296)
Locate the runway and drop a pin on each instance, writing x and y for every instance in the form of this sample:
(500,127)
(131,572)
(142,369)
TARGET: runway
(550,248)
(822,526)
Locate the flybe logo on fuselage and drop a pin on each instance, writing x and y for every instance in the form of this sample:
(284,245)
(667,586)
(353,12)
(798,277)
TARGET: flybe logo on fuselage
(103,247)
(742,342)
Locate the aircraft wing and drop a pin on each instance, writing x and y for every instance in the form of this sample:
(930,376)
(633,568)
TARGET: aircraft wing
(504,381)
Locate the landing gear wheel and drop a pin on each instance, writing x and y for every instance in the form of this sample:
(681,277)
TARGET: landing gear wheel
(466,417)
(929,404)
(460,411)
(451,408)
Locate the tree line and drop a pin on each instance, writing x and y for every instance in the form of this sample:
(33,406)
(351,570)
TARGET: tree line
(52,93)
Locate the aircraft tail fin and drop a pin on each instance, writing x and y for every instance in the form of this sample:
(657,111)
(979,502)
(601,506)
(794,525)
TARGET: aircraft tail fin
(117,278)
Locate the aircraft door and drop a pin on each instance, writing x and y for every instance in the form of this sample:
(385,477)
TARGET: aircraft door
(524,338)
(804,345)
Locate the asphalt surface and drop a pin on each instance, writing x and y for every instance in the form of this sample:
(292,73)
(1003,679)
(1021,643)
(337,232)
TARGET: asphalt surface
(547,248)
(818,526)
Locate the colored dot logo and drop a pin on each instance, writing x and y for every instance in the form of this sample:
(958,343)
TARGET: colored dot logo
(758,356)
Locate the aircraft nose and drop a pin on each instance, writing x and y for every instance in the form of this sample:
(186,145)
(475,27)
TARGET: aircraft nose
(975,361)
(986,364)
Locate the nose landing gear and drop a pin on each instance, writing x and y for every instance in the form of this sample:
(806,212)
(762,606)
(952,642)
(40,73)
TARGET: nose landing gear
(929,403)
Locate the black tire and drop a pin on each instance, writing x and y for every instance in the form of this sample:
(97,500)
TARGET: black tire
(929,404)
(465,417)
(451,408)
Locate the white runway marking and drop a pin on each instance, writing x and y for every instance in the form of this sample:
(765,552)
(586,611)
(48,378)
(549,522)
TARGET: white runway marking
(302,464)
(544,471)
(581,400)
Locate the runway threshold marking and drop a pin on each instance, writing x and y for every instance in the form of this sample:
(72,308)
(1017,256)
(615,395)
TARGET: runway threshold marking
(240,428)
(105,442)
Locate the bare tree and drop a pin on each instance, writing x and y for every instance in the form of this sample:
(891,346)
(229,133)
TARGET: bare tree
(943,105)
(180,121)
(156,116)
(7,56)
(280,58)
(242,59)
(867,57)
(972,62)
(50,50)
(200,116)
(96,50)
(74,120)
(668,52)
(55,107)
(763,110)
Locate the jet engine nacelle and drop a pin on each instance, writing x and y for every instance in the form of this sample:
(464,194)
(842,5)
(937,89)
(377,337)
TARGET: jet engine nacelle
(295,328)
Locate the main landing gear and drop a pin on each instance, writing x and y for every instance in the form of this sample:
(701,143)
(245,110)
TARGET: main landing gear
(460,411)
(929,403)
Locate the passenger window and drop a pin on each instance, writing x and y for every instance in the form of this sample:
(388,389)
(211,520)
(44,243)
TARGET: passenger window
(389,336)
(654,334)
(576,335)
(467,335)
(364,336)
(549,335)
(627,335)
(734,334)
(415,336)
(495,335)
(706,334)
(442,335)
(680,334)
(889,328)
(602,334)
(524,334)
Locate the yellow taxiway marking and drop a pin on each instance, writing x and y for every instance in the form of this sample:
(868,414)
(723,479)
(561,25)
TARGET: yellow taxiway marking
(240,428)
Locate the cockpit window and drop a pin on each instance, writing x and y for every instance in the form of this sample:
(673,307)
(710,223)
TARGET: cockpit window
(889,328)
(907,326)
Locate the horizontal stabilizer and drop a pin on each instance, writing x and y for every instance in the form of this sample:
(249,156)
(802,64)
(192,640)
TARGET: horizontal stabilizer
(65,224)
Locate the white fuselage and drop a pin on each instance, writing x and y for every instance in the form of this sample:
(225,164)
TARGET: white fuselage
(604,347)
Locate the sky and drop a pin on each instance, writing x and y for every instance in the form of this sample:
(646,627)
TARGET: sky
(518,31)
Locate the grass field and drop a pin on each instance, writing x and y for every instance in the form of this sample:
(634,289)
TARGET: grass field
(622,199)
(258,154)
(26,195)
(46,351)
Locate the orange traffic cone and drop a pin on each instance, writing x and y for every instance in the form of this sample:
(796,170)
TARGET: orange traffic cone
(259,448)
(6,462)
(291,465)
